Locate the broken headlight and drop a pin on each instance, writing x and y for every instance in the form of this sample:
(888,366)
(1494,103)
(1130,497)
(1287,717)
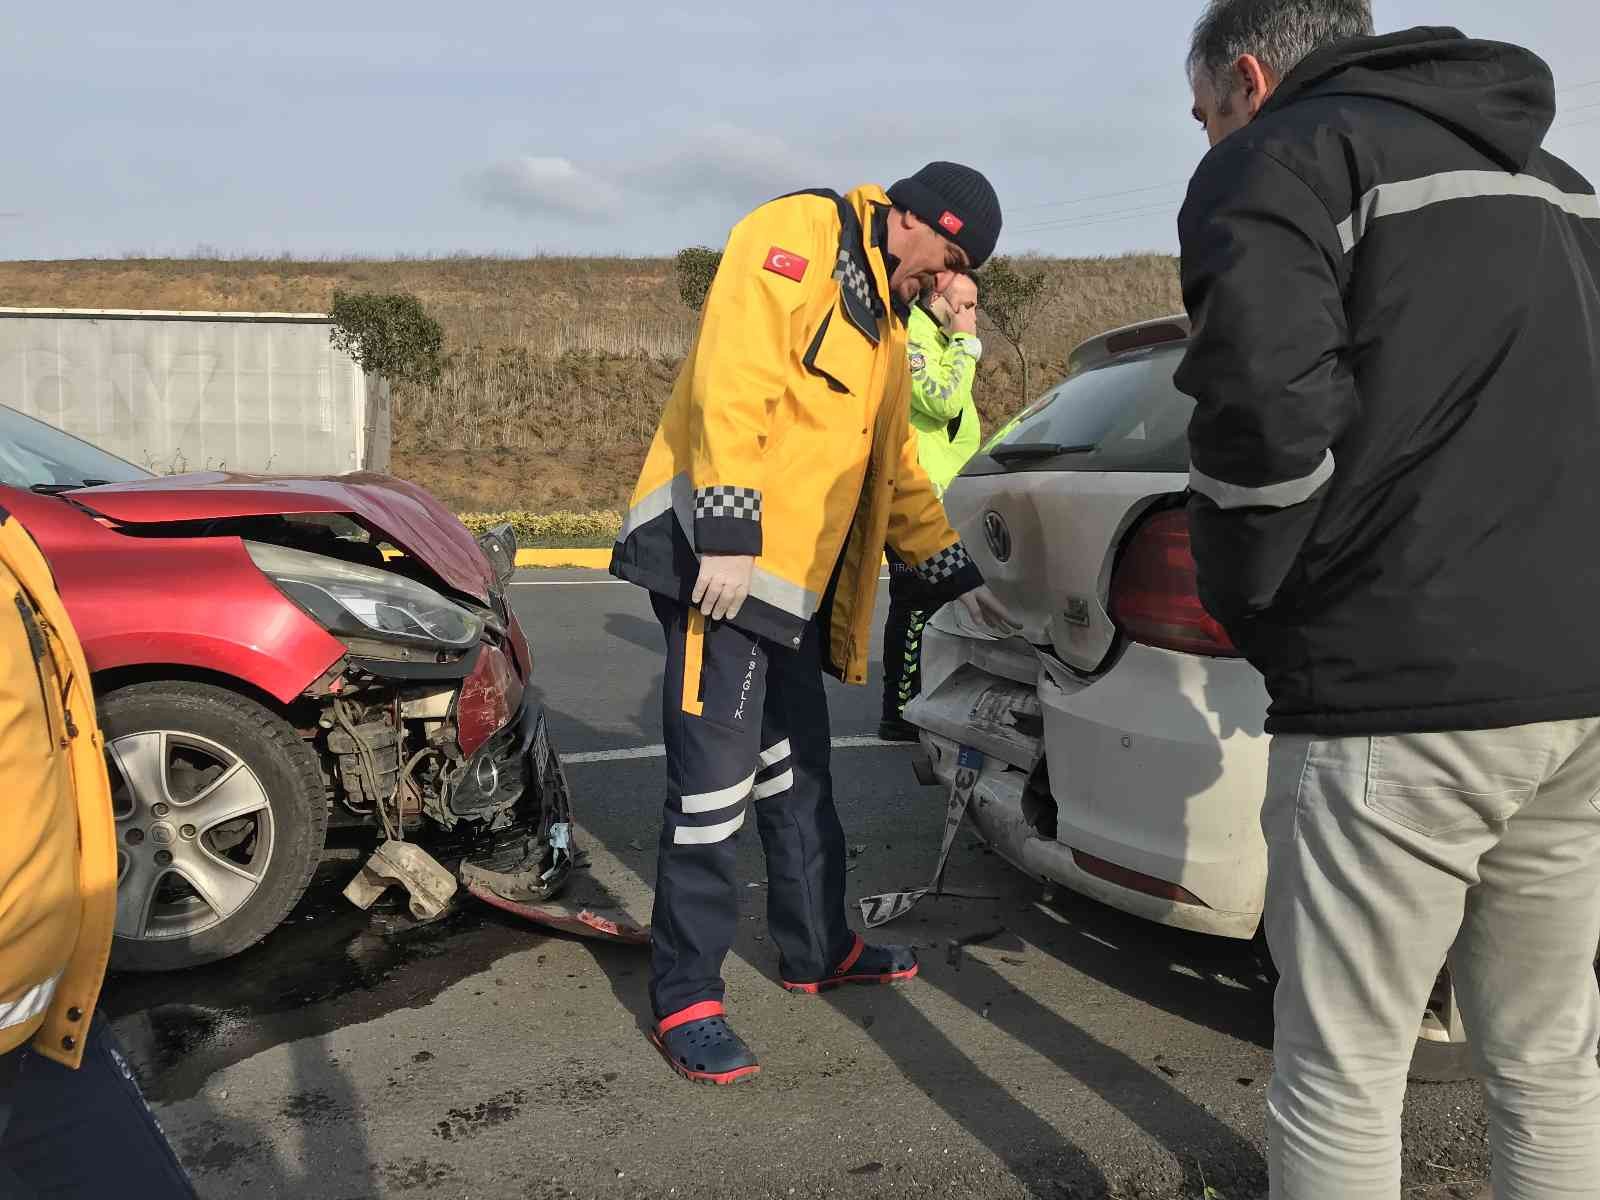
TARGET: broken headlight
(353,601)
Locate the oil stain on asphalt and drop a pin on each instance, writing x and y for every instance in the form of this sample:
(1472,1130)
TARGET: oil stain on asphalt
(327,967)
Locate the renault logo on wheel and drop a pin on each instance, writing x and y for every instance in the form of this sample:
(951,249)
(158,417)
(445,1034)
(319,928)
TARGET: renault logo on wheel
(998,535)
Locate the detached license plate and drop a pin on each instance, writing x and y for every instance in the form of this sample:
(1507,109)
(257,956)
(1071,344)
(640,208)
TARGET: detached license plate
(554,794)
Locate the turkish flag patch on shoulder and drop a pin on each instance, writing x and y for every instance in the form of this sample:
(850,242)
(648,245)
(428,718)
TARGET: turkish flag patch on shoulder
(790,266)
(951,223)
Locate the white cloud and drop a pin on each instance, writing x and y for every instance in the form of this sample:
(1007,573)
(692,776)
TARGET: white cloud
(536,185)
(721,161)
(718,161)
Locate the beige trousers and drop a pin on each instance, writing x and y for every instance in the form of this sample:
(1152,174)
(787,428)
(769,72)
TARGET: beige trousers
(1386,854)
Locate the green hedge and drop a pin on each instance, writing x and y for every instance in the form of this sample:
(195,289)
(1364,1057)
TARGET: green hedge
(560,529)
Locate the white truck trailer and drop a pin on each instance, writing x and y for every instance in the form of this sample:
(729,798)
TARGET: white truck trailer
(257,393)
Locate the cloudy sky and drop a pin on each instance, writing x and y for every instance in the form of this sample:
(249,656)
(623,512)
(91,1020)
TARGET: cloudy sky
(524,126)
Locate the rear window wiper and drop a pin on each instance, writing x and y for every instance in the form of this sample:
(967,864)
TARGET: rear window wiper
(1021,452)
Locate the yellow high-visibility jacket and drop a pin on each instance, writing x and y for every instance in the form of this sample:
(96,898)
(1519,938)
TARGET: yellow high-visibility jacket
(787,435)
(58,853)
(943,412)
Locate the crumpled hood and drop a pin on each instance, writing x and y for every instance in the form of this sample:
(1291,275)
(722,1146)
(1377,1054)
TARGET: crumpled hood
(1499,97)
(403,512)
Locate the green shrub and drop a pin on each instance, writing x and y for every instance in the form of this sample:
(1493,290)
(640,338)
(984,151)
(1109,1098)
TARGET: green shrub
(388,334)
(560,529)
(696,268)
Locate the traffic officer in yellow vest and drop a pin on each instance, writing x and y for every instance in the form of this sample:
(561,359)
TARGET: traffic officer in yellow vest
(72,1121)
(944,351)
(783,464)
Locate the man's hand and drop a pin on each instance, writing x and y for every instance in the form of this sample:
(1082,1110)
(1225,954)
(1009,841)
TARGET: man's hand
(723,584)
(962,297)
(985,608)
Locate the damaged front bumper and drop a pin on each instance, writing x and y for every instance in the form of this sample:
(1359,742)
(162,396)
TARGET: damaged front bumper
(517,775)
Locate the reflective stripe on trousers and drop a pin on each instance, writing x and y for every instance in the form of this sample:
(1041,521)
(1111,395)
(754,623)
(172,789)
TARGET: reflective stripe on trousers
(745,724)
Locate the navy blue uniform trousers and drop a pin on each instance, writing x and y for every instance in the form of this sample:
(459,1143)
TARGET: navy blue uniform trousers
(745,722)
(82,1135)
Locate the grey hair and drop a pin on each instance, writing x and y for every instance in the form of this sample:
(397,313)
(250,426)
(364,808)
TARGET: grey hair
(1280,33)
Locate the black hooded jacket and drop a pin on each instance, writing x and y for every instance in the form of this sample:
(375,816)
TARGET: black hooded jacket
(1395,294)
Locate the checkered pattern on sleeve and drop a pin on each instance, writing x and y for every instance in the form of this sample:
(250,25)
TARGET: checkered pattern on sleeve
(945,565)
(739,503)
(851,275)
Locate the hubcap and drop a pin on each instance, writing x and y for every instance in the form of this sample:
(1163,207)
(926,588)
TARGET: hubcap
(194,833)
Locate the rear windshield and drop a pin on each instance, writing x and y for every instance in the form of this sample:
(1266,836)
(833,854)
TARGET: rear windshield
(1123,416)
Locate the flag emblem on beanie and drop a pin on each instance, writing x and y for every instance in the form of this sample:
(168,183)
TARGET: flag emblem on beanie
(957,201)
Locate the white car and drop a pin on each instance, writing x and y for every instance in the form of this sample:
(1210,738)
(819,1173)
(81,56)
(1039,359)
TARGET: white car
(1121,733)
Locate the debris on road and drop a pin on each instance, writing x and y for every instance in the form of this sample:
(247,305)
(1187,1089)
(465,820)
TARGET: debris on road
(880,910)
(413,868)
(525,893)
(953,949)
(594,922)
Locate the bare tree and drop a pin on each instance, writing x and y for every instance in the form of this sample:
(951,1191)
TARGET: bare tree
(1013,299)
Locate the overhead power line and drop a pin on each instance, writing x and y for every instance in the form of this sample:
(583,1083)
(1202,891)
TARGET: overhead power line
(1170,206)
(1097,217)
(1126,214)
(1154,187)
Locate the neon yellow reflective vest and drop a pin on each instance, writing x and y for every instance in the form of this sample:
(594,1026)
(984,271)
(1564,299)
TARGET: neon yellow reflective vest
(58,851)
(943,367)
(787,435)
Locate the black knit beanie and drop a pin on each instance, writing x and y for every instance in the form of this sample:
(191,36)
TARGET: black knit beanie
(957,201)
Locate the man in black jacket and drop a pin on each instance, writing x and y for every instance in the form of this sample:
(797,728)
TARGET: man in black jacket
(1395,294)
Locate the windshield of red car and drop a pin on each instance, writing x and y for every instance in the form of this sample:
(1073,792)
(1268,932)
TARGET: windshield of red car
(33,454)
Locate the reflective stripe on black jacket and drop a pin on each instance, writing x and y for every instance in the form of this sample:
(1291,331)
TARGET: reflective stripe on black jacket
(1396,359)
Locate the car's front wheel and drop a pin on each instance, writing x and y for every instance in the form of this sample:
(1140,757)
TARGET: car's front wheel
(221,816)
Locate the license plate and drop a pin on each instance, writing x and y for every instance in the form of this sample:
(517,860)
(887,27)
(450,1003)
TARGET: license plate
(552,776)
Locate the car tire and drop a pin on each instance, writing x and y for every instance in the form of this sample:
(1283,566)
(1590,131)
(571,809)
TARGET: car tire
(222,815)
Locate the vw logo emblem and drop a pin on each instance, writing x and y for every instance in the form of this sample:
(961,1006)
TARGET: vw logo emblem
(998,536)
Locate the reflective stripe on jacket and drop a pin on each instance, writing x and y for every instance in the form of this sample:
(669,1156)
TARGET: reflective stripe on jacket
(1395,448)
(943,367)
(787,435)
(58,858)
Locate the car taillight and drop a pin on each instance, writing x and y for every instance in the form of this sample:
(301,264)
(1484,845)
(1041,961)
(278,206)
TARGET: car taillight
(1154,597)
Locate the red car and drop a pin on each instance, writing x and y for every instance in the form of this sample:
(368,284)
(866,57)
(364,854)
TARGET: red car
(272,655)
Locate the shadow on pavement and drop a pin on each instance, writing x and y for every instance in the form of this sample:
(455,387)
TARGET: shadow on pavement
(331,966)
(1035,1151)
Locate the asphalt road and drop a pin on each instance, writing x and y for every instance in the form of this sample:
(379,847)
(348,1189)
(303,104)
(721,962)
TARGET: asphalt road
(1051,1048)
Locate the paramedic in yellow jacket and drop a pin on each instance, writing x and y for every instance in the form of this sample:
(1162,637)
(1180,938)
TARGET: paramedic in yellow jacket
(783,464)
(72,1121)
(944,351)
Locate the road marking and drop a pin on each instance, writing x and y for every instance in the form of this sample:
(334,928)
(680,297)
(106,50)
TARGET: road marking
(660,751)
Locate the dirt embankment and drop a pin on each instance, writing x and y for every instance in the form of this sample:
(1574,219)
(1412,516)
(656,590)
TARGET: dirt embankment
(558,366)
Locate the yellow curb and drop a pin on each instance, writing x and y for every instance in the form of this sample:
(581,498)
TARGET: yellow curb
(564,558)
